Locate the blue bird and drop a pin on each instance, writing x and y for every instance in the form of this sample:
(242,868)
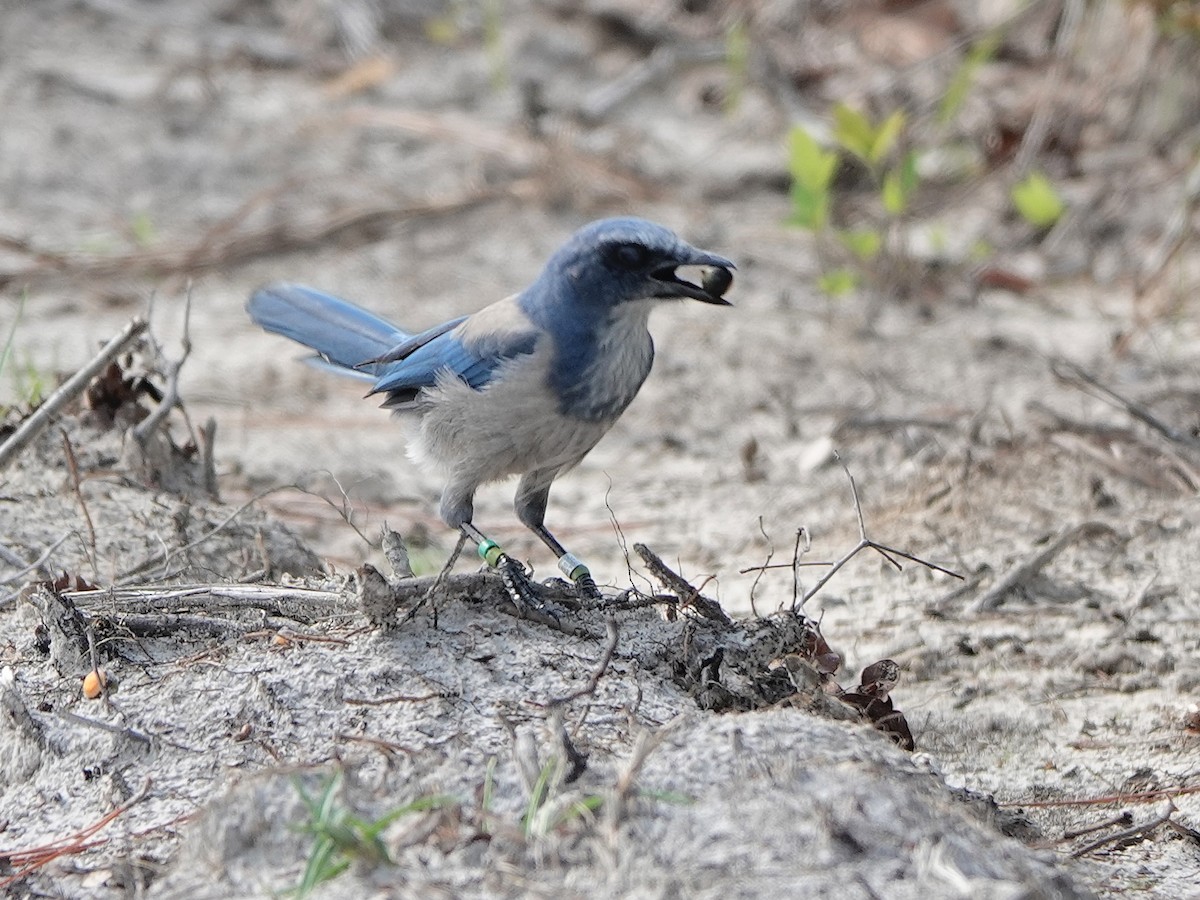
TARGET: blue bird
(525,386)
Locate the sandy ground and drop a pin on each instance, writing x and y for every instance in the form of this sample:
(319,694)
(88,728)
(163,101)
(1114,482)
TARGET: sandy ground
(206,148)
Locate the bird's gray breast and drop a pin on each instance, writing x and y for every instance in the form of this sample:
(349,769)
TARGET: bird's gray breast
(600,377)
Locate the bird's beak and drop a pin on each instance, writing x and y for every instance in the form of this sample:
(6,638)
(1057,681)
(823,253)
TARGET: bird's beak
(715,279)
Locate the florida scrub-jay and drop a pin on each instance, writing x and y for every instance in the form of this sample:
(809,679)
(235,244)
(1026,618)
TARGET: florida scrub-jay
(525,386)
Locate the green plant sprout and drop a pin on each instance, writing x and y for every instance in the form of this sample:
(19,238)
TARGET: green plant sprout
(340,837)
(960,85)
(737,61)
(876,146)
(812,169)
(7,352)
(1036,200)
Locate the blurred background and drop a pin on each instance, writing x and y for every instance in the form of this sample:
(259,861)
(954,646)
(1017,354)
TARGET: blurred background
(929,202)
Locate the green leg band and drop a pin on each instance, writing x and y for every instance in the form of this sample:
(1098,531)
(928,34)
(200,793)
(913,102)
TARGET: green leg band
(490,552)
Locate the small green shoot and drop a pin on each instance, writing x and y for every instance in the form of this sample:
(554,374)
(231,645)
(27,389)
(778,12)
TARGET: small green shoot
(675,798)
(1037,201)
(7,352)
(538,796)
(737,58)
(142,228)
(869,142)
(488,796)
(838,282)
(340,837)
(899,184)
(864,243)
(493,43)
(812,169)
(964,78)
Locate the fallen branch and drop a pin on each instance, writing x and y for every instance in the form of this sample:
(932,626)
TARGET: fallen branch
(865,543)
(304,605)
(681,587)
(68,391)
(1027,569)
(1074,375)
(1126,834)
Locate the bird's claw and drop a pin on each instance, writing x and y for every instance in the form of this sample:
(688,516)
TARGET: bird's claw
(519,585)
(585,586)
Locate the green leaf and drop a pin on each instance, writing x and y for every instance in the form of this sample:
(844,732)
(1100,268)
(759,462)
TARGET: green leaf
(899,184)
(886,136)
(737,57)
(853,131)
(142,227)
(810,209)
(862,242)
(838,282)
(812,169)
(808,163)
(1037,201)
(964,77)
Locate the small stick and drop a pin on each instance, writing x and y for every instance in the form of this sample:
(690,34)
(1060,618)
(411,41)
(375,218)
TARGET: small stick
(865,543)
(37,563)
(688,595)
(1028,568)
(73,470)
(68,391)
(41,856)
(762,570)
(588,689)
(208,438)
(144,429)
(1126,833)
(396,698)
(105,726)
(1135,410)
(1125,818)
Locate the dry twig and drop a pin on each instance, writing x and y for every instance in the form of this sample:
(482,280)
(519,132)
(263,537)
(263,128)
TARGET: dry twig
(1126,834)
(865,543)
(1075,375)
(1028,568)
(68,391)
(35,858)
(680,586)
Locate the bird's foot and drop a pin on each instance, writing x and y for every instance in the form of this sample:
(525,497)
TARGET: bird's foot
(517,582)
(519,585)
(581,576)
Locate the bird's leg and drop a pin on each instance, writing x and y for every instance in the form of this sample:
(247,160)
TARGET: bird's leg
(533,494)
(516,580)
(570,564)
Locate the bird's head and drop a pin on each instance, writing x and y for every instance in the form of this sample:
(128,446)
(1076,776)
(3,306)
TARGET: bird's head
(616,261)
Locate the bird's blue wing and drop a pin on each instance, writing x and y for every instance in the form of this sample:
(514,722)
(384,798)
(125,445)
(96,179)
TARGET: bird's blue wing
(470,351)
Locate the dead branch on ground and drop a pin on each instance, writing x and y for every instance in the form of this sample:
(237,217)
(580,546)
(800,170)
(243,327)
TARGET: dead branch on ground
(1023,572)
(68,391)
(681,587)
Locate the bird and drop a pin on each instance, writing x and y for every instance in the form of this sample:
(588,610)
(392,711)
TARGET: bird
(525,386)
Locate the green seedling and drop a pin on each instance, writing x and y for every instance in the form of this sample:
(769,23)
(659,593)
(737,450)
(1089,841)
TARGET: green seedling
(812,169)
(1037,201)
(737,60)
(340,837)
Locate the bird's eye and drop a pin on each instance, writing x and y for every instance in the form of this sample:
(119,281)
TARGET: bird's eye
(630,256)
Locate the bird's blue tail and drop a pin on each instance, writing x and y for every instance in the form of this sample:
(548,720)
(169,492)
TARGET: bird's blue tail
(343,334)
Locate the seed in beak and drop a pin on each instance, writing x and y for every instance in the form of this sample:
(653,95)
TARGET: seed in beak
(716,281)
